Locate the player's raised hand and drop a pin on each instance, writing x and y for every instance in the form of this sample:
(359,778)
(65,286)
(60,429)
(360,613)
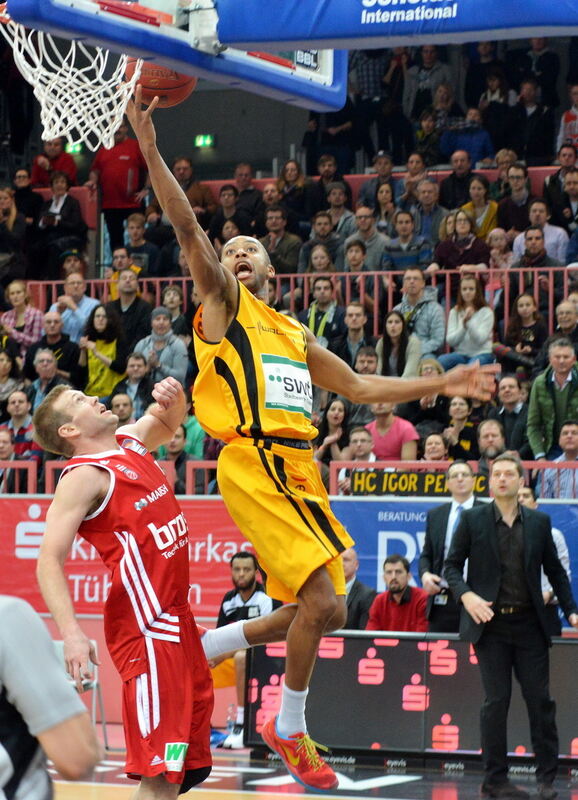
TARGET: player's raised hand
(167,392)
(472,380)
(141,118)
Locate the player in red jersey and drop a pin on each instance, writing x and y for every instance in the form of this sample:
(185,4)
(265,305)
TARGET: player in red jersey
(114,494)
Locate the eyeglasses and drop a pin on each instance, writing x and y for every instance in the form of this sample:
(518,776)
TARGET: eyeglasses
(363,216)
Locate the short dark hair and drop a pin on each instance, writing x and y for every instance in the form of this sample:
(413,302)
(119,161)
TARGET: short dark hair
(568,422)
(229,187)
(325,157)
(356,243)
(512,377)
(59,174)
(510,455)
(321,278)
(245,554)
(568,145)
(276,209)
(519,165)
(176,160)
(320,214)
(366,350)
(534,228)
(540,201)
(395,558)
(400,212)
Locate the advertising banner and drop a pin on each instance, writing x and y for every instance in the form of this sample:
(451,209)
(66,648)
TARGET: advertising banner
(382,527)
(213,539)
(379,526)
(386,23)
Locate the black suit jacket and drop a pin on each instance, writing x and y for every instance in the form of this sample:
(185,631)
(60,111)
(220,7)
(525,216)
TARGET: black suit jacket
(476,539)
(71,222)
(359,602)
(432,554)
(518,438)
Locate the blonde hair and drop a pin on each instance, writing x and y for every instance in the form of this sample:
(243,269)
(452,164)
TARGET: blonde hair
(11,218)
(432,362)
(47,420)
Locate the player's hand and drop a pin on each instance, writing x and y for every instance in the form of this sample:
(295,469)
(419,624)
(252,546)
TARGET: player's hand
(167,392)
(472,380)
(78,652)
(431,582)
(141,118)
(479,609)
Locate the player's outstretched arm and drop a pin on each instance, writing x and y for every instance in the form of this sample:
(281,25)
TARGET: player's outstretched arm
(332,373)
(158,426)
(210,277)
(77,493)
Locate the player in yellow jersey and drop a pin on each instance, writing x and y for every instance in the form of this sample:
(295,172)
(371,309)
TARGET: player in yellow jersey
(256,369)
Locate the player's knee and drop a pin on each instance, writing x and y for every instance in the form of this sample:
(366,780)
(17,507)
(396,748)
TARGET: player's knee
(320,612)
(339,619)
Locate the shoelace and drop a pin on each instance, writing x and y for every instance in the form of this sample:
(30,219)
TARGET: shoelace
(310,747)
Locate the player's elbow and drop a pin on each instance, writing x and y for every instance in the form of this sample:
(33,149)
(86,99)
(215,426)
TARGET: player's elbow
(356,390)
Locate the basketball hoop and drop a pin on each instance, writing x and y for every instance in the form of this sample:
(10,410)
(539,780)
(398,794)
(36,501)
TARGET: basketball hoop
(82,94)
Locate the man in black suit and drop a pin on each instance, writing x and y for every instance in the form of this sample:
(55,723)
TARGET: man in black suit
(443,612)
(513,414)
(503,615)
(359,596)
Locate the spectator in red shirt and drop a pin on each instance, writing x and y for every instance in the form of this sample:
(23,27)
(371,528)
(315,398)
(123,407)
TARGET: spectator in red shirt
(402,607)
(394,438)
(119,172)
(52,159)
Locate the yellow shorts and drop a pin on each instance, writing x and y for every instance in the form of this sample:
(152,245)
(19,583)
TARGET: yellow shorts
(224,674)
(278,501)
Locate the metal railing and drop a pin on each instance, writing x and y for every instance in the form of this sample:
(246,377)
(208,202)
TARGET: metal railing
(548,285)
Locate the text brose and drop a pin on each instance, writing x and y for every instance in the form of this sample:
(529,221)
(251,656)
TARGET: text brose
(168,534)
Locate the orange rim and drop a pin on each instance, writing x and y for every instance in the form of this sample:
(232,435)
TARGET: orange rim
(4,16)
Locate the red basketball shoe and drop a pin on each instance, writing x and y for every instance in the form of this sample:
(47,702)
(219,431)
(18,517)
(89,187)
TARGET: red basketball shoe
(300,756)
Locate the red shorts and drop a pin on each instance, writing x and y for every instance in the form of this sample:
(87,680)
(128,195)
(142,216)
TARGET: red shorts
(167,710)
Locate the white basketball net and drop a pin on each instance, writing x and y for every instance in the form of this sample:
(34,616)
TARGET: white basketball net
(82,95)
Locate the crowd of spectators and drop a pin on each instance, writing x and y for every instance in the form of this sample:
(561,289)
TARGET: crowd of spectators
(445,272)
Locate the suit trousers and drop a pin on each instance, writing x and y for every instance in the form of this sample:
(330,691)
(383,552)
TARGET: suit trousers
(516,642)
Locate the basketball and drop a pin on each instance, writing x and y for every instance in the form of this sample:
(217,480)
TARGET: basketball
(171,87)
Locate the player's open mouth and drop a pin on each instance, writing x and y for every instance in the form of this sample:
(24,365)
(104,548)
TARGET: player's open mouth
(243,269)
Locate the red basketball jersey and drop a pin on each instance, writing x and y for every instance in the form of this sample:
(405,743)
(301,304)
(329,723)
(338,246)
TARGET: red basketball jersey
(141,535)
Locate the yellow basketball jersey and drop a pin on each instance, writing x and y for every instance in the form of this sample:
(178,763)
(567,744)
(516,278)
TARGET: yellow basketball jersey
(254,382)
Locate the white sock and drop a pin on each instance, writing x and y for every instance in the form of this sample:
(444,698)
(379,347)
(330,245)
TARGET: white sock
(240,715)
(291,717)
(223,640)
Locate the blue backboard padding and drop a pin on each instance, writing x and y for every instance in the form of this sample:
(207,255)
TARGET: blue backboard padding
(384,23)
(179,55)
